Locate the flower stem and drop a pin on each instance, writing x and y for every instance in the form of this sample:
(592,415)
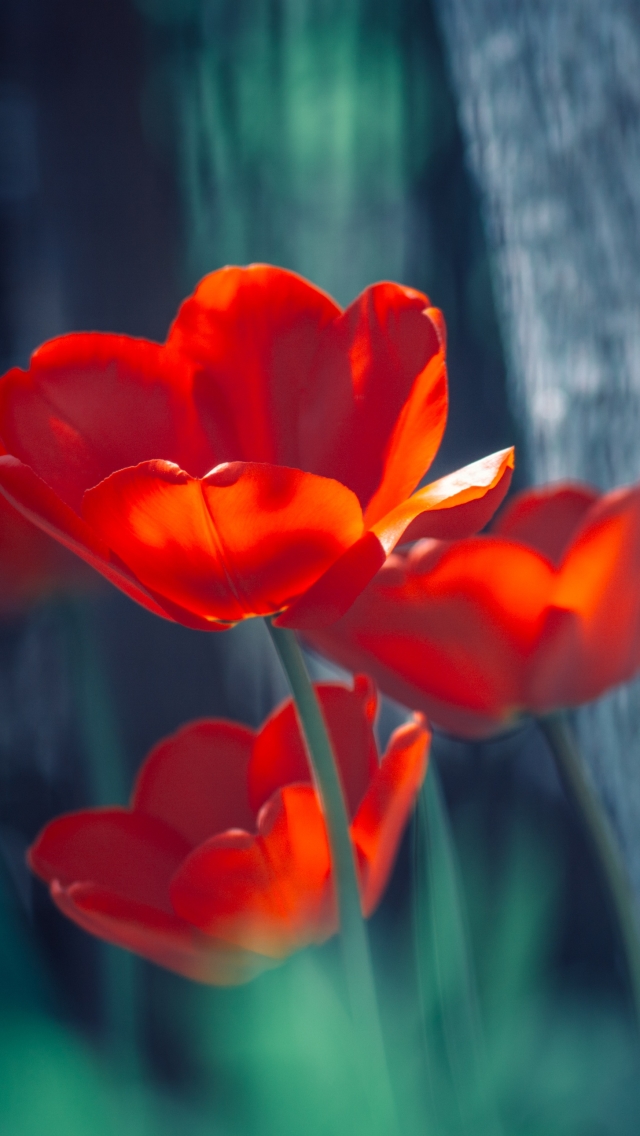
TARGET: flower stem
(353,932)
(563,745)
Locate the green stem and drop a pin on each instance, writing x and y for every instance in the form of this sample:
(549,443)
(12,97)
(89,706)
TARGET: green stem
(353,932)
(564,748)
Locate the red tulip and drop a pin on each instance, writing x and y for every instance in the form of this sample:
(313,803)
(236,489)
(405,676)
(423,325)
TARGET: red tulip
(258,462)
(540,615)
(221,865)
(34,567)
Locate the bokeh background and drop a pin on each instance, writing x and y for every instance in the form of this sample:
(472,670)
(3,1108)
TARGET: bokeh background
(141,146)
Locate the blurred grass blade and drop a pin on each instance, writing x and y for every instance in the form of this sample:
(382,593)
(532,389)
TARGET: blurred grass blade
(96,714)
(561,739)
(108,778)
(458,1086)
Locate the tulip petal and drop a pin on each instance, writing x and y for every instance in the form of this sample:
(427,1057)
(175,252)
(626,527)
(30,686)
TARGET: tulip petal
(196,780)
(283,376)
(455,506)
(477,632)
(335,591)
(91,403)
(381,819)
(155,935)
(279,755)
(451,625)
(269,893)
(242,541)
(35,501)
(598,582)
(415,440)
(546,517)
(128,853)
(560,666)
(252,334)
(381,375)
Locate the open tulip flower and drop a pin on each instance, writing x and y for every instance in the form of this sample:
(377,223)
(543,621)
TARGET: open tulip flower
(542,614)
(221,866)
(261,461)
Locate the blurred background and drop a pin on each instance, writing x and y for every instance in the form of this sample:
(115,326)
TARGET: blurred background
(141,146)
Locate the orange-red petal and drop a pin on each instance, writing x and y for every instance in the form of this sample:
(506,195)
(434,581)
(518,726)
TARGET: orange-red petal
(332,595)
(479,631)
(109,870)
(283,376)
(196,780)
(251,335)
(156,935)
(381,375)
(268,893)
(242,541)
(598,584)
(279,755)
(40,505)
(458,634)
(418,431)
(546,517)
(455,506)
(128,853)
(91,404)
(382,817)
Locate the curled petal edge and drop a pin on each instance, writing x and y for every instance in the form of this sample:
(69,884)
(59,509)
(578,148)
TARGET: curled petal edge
(451,508)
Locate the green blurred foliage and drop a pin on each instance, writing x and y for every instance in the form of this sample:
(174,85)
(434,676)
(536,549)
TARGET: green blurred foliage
(321,135)
(506,1051)
(299,128)
(284,1055)
(481,1040)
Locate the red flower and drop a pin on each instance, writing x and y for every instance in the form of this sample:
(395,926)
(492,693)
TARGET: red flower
(260,461)
(542,614)
(221,865)
(34,567)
